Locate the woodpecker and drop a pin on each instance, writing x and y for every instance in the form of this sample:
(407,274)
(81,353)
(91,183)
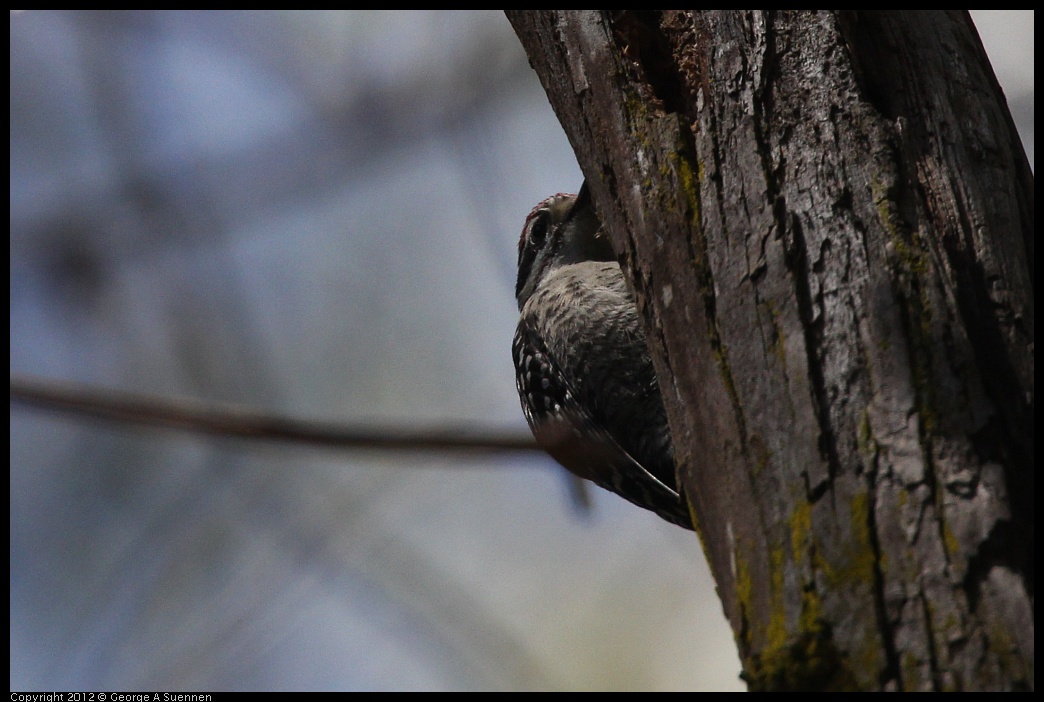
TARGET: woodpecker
(582,366)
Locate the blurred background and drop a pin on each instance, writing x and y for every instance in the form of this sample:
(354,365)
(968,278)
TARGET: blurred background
(313,213)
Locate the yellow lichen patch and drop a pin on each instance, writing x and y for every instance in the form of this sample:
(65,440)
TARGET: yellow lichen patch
(744,599)
(801,531)
(863,560)
(810,661)
(776,632)
(690,185)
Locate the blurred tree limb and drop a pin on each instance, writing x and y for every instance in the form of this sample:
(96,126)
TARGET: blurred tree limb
(243,422)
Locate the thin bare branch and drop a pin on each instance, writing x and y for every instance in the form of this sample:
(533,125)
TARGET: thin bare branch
(246,422)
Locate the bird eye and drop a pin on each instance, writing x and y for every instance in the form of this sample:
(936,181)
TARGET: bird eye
(538,230)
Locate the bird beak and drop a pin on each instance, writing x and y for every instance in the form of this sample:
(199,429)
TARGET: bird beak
(583,198)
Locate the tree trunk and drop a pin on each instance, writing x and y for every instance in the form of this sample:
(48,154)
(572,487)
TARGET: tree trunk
(827,218)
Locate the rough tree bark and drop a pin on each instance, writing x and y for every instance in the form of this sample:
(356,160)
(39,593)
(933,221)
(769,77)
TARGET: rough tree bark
(828,222)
